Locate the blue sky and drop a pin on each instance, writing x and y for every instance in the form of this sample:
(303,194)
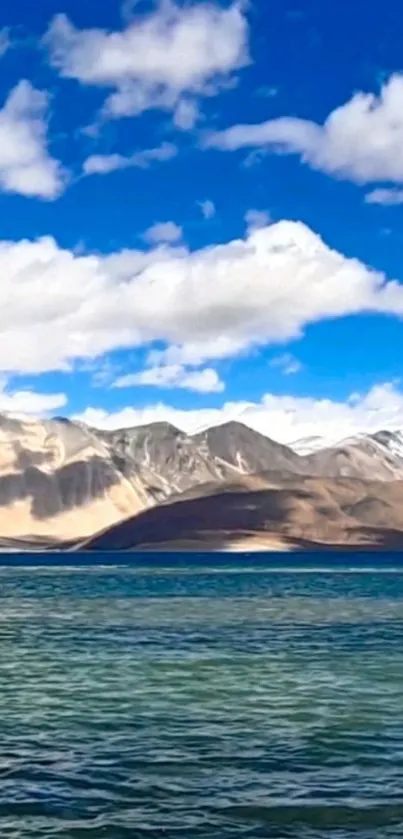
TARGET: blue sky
(201,210)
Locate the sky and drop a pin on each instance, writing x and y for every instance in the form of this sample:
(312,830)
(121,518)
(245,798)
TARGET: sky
(201,211)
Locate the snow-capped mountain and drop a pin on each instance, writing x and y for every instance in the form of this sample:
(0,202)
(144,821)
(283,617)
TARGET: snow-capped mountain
(308,445)
(376,456)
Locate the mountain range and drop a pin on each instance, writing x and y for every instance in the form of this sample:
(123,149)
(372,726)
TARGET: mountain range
(66,485)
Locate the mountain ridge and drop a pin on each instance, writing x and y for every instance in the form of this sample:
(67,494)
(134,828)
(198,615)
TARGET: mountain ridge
(65,480)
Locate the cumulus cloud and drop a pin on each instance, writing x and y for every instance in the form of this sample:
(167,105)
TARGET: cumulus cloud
(287,363)
(361,141)
(283,418)
(163,231)
(58,306)
(28,402)
(26,166)
(207,208)
(102,164)
(163,59)
(389,197)
(174,376)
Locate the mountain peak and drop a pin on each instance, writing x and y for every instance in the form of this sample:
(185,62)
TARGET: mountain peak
(160,428)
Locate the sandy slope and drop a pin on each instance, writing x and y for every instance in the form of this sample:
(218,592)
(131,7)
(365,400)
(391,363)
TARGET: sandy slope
(285,512)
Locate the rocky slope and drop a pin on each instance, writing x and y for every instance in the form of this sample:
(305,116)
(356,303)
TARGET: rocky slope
(373,457)
(247,451)
(164,459)
(61,480)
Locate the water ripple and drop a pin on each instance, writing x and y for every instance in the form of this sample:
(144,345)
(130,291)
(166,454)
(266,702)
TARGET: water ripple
(204,704)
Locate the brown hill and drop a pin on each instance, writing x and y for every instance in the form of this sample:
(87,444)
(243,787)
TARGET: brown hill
(294,511)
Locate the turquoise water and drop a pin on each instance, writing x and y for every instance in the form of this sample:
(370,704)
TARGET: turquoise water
(201,701)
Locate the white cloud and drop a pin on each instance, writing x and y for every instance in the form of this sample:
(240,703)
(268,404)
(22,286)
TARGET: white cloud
(102,164)
(361,141)
(174,376)
(58,306)
(158,58)
(163,231)
(287,363)
(186,114)
(195,353)
(25,164)
(385,196)
(29,402)
(282,418)
(207,208)
(256,219)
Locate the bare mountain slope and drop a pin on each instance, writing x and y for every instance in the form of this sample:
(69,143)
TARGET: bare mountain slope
(164,459)
(293,510)
(62,480)
(247,451)
(373,457)
(58,480)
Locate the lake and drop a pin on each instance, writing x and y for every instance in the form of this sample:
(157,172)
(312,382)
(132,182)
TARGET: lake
(214,697)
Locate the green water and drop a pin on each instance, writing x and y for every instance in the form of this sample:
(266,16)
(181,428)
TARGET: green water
(200,702)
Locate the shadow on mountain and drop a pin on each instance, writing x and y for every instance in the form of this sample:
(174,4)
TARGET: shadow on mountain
(69,487)
(24,458)
(194,518)
(309,517)
(364,540)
